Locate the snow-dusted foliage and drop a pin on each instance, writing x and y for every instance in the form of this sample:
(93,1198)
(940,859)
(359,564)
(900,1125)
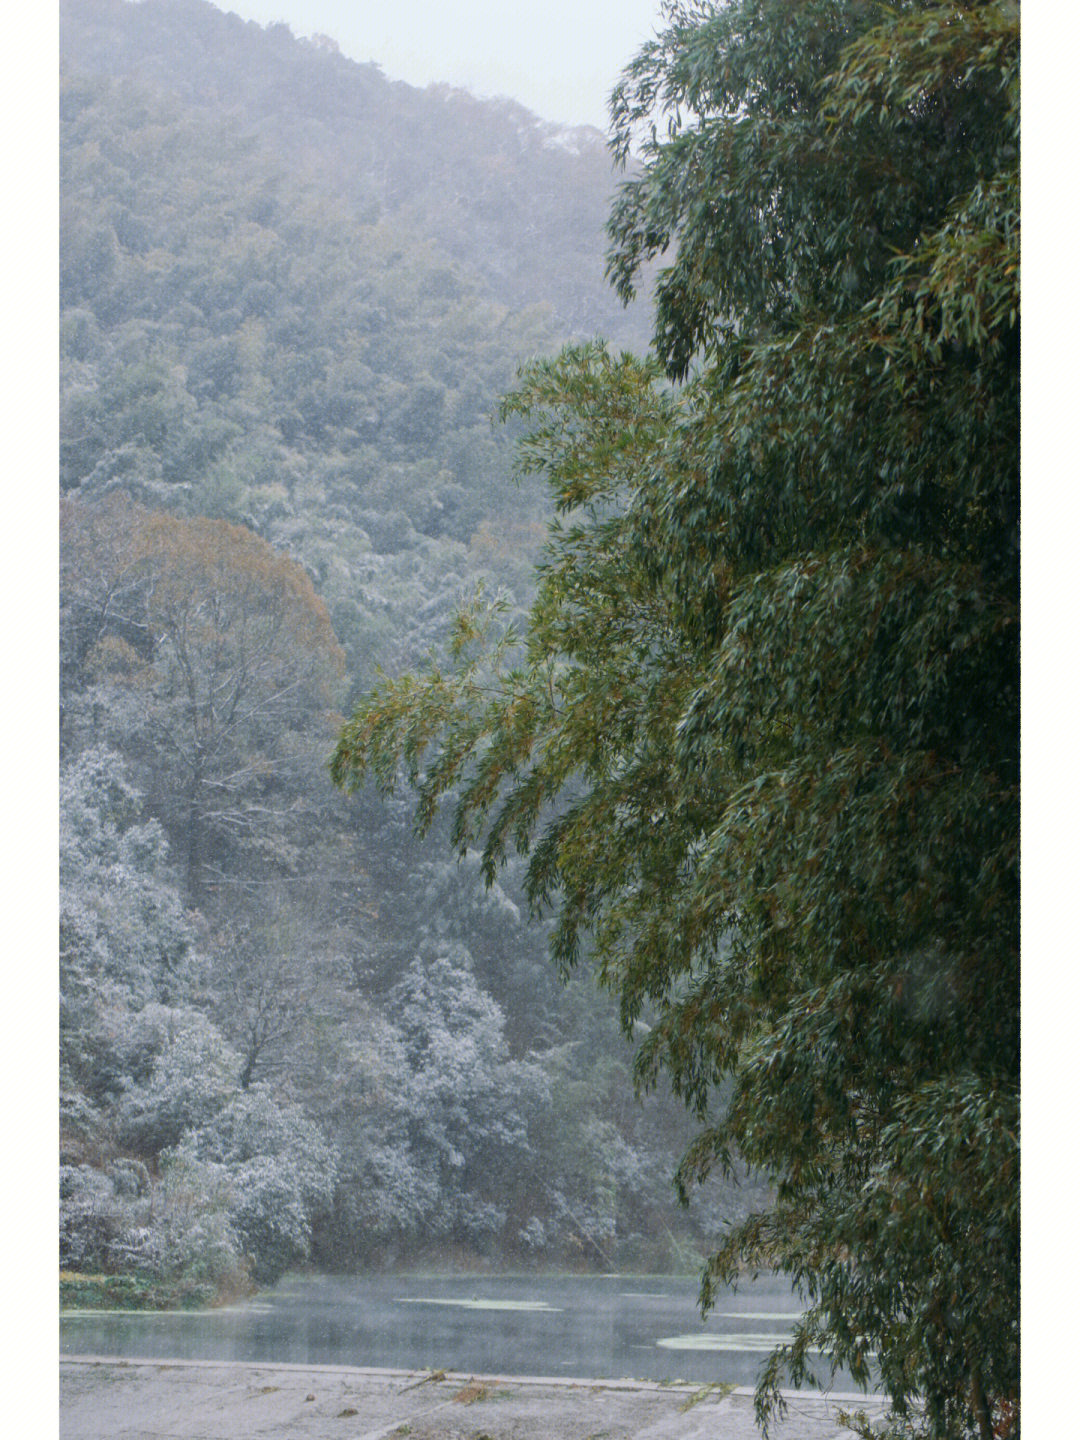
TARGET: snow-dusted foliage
(431,1117)
(149,1083)
(239,1095)
(122,920)
(194,1235)
(126,940)
(310,1029)
(180,1072)
(469,1103)
(231,1108)
(281,1173)
(270,1216)
(90,1216)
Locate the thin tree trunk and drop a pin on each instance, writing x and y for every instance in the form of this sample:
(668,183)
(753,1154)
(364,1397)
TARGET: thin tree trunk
(980,1406)
(194,842)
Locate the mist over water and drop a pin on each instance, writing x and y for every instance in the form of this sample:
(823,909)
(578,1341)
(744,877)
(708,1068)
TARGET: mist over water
(643,1327)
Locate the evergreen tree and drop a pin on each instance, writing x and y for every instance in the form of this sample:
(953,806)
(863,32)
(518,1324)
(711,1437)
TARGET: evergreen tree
(760,738)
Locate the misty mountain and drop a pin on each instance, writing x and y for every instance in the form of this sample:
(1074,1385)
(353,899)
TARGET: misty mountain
(519,202)
(291,293)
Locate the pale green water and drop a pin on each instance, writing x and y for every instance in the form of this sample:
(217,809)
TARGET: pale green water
(587,1326)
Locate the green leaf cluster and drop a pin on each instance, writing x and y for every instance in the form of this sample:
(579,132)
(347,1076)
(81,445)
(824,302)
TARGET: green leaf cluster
(759,740)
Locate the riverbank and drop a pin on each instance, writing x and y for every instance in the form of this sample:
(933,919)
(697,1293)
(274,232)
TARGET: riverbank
(106,1399)
(136,1292)
(132,1291)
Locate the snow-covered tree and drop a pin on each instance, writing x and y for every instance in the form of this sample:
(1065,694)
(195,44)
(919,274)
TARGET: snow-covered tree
(469,1103)
(179,1073)
(271,1148)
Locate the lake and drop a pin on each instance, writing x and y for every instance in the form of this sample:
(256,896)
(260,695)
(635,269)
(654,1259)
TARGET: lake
(644,1327)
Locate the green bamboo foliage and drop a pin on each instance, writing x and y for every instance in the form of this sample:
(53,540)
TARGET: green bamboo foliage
(759,739)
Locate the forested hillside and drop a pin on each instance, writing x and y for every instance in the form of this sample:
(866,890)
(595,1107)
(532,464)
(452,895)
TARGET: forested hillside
(292,293)
(759,736)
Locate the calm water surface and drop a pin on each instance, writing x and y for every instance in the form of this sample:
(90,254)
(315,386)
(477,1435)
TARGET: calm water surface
(647,1327)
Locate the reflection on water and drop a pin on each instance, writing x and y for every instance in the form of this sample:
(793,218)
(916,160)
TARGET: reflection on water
(587,1326)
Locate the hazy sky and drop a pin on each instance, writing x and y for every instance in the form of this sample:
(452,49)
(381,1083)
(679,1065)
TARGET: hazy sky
(559,58)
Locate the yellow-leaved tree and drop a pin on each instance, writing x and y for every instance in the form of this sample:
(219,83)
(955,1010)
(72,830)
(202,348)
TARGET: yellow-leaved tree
(208,655)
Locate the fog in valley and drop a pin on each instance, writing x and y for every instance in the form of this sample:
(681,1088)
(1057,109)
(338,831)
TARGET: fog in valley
(294,1034)
(539,720)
